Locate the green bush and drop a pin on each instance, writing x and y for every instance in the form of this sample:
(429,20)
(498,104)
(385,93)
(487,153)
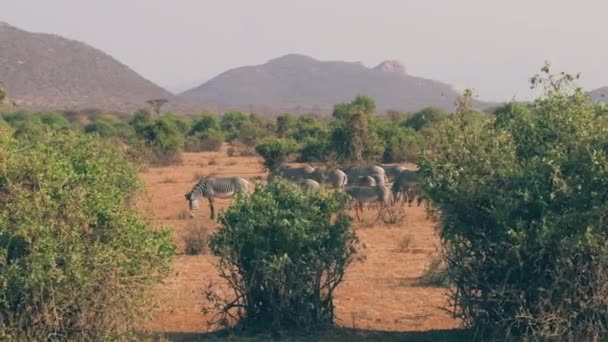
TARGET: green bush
(524,217)
(231,124)
(204,123)
(163,138)
(211,140)
(275,151)
(403,145)
(76,259)
(55,121)
(424,118)
(314,150)
(283,251)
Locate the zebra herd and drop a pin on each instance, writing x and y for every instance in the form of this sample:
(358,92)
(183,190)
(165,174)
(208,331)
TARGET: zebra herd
(364,184)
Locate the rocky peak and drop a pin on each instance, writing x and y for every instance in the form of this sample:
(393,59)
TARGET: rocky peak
(391,66)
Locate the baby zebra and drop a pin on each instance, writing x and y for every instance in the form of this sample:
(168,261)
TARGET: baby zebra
(368,194)
(212,187)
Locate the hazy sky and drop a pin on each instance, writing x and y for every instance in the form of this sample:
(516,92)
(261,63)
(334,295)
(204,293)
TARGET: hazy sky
(492,46)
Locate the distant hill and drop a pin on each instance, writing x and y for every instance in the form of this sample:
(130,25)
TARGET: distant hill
(301,83)
(599,94)
(43,71)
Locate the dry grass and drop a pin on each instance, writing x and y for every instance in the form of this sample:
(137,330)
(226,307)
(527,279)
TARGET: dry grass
(370,289)
(184,214)
(405,243)
(435,274)
(197,176)
(195,239)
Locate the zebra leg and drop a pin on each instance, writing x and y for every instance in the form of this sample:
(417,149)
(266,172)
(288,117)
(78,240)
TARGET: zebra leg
(212,207)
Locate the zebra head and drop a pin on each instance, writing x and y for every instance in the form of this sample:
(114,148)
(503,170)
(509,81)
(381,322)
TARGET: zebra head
(192,202)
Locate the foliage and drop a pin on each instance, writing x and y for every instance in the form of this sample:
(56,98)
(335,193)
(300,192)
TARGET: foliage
(210,140)
(286,124)
(314,150)
(231,124)
(401,144)
(424,118)
(510,112)
(54,120)
(77,261)
(204,123)
(275,151)
(161,135)
(353,136)
(283,252)
(523,216)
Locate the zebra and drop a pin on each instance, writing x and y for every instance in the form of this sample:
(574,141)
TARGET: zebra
(337,178)
(355,172)
(366,181)
(292,173)
(406,187)
(368,194)
(309,184)
(392,171)
(212,187)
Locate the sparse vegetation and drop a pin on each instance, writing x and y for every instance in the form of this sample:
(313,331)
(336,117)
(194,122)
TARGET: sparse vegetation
(523,214)
(195,239)
(283,271)
(77,260)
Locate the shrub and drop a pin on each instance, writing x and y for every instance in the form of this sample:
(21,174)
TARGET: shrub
(283,251)
(195,239)
(204,123)
(164,139)
(55,121)
(275,151)
(424,118)
(77,260)
(231,123)
(211,140)
(523,226)
(314,150)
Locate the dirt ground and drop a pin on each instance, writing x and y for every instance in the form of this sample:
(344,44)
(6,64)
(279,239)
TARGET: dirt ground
(379,297)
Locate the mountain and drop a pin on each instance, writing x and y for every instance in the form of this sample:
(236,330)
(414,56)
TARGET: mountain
(45,71)
(599,94)
(300,83)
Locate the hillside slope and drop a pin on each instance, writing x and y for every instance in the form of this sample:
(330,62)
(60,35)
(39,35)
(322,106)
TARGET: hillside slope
(47,71)
(295,82)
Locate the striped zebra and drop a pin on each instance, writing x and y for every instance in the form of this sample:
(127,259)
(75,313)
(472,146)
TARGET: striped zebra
(370,194)
(335,178)
(366,181)
(406,187)
(291,173)
(309,184)
(355,172)
(212,187)
(393,171)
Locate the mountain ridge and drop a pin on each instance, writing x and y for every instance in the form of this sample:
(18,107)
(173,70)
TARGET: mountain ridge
(300,81)
(48,71)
